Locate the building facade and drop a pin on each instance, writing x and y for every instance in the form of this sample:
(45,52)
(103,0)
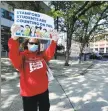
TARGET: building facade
(75,46)
(7,19)
(100,43)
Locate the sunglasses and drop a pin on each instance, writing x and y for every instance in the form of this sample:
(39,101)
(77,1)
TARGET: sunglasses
(31,43)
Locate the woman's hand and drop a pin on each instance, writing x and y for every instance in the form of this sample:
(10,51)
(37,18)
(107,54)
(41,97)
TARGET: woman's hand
(54,35)
(14,29)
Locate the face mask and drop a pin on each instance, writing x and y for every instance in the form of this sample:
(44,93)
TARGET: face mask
(33,48)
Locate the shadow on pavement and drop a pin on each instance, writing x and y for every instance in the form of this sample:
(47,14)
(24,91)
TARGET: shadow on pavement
(89,92)
(86,93)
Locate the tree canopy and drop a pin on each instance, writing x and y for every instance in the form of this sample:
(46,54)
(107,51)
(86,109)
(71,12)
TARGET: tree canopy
(81,19)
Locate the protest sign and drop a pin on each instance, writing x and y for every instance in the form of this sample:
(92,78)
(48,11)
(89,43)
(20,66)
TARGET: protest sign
(33,24)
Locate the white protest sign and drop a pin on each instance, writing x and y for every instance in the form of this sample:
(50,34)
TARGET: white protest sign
(33,24)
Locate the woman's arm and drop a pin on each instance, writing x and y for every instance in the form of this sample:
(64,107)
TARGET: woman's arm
(14,54)
(50,51)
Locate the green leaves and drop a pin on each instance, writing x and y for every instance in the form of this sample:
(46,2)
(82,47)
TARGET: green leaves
(81,18)
(55,14)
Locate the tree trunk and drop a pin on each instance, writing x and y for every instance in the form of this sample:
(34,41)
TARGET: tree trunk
(56,8)
(80,55)
(55,55)
(85,57)
(67,53)
(67,58)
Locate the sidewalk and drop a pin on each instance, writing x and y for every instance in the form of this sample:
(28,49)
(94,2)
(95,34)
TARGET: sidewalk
(74,87)
(59,97)
(75,69)
(9,73)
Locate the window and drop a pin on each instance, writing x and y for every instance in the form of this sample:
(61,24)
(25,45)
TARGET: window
(96,44)
(107,50)
(91,50)
(96,49)
(106,38)
(11,16)
(3,13)
(7,15)
(101,50)
(5,35)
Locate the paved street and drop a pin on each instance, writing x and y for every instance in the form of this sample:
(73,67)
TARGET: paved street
(69,90)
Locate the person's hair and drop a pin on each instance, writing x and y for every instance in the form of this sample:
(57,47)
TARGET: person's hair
(38,27)
(25,47)
(31,29)
(45,30)
(22,26)
(27,25)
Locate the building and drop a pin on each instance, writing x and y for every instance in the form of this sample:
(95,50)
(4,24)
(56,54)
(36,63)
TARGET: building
(75,49)
(7,19)
(75,46)
(100,43)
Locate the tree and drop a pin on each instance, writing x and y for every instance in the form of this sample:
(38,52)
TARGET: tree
(71,11)
(88,23)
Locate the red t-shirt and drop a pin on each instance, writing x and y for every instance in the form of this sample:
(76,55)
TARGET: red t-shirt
(32,68)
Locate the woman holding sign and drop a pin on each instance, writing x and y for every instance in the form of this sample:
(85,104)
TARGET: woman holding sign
(31,64)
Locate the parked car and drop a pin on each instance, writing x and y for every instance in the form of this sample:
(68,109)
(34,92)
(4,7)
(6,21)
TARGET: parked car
(105,55)
(95,55)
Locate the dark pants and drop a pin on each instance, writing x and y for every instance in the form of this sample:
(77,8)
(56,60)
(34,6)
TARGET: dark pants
(41,100)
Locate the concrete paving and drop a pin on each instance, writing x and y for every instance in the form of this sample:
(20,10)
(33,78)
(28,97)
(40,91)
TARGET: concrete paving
(11,100)
(69,91)
(90,91)
(9,73)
